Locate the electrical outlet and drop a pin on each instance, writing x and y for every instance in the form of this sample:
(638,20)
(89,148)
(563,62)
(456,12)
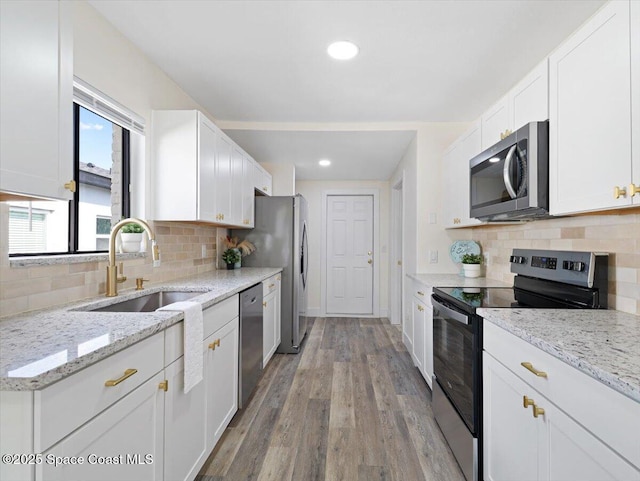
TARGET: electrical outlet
(204,250)
(433,257)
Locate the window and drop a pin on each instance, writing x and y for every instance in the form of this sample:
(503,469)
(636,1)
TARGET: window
(102,173)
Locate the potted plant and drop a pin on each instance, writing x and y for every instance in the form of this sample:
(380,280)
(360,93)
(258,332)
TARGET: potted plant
(131,237)
(243,248)
(230,257)
(471,265)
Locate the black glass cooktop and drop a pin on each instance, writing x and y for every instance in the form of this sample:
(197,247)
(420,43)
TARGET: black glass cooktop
(490,297)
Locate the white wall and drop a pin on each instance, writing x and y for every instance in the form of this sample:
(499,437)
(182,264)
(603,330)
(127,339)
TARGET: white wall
(312,191)
(283,177)
(108,61)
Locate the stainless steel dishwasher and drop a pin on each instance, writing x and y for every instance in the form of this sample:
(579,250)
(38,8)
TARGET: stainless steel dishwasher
(250,342)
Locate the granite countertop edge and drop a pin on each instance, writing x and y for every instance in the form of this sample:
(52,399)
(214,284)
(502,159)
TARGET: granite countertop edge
(586,363)
(215,286)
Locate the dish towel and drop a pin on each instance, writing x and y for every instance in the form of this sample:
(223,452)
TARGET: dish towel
(193,334)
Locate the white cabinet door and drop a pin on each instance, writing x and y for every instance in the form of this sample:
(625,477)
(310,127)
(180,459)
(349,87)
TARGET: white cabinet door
(269,310)
(237,187)
(248,196)
(262,180)
(36,82)
(206,170)
(529,99)
(223,177)
(417,353)
(590,115)
(184,426)
(512,440)
(455,168)
(495,122)
(221,380)
(129,433)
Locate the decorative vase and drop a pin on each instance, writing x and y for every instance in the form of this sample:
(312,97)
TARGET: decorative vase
(230,267)
(131,242)
(238,264)
(471,270)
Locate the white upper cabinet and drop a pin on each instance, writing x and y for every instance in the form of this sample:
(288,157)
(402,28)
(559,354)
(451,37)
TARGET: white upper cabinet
(36,82)
(262,180)
(455,178)
(590,129)
(527,102)
(200,173)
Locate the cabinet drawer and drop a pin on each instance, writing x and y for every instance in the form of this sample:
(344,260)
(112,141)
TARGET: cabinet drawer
(422,293)
(214,318)
(608,414)
(66,405)
(269,285)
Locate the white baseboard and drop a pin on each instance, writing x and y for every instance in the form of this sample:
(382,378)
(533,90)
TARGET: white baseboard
(313,312)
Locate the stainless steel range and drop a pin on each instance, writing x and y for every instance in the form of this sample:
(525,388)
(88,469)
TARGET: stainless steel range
(545,279)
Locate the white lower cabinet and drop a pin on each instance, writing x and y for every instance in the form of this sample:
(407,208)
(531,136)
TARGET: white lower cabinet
(221,380)
(123,442)
(422,323)
(271,302)
(539,433)
(184,426)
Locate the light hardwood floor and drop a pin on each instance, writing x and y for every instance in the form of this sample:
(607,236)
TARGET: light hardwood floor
(350,407)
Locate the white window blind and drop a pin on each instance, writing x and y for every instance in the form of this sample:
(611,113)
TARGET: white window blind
(27,234)
(94,100)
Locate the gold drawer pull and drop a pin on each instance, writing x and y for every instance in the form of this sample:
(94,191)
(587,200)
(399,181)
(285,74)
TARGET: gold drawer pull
(529,367)
(420,308)
(214,344)
(271,285)
(420,293)
(619,192)
(526,402)
(164,385)
(278,277)
(633,190)
(127,374)
(71,186)
(537,411)
(264,304)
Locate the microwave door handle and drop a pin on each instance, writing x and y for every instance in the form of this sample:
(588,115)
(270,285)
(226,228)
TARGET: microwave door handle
(505,172)
(450,313)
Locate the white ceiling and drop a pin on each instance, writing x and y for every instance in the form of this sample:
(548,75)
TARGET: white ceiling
(266,61)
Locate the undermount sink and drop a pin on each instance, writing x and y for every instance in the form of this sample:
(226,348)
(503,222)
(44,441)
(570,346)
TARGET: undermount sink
(148,303)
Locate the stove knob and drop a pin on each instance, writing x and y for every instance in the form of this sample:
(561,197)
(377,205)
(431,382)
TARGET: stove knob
(578,266)
(568,265)
(512,259)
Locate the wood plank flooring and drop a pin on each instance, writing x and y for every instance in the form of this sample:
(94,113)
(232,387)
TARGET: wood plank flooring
(351,406)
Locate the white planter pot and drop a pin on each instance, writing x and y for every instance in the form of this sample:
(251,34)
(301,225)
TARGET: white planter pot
(471,270)
(131,242)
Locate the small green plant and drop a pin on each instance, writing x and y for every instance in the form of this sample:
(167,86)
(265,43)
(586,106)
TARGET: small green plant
(231,256)
(132,228)
(472,259)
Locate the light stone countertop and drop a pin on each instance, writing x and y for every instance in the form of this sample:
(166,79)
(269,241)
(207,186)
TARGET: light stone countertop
(604,344)
(42,347)
(455,280)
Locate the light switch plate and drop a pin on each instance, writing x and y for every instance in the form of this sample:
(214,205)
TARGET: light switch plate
(433,257)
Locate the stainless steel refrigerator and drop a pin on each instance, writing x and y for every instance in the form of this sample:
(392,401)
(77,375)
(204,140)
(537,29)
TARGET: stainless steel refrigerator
(281,239)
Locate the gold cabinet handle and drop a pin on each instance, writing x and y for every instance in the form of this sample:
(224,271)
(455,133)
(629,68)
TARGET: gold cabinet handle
(505,134)
(633,190)
(278,278)
(619,192)
(399,263)
(420,308)
(214,344)
(164,385)
(420,293)
(370,261)
(127,374)
(271,285)
(264,304)
(529,367)
(264,188)
(526,402)
(537,411)
(71,185)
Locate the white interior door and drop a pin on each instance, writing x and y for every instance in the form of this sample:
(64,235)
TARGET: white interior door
(349,254)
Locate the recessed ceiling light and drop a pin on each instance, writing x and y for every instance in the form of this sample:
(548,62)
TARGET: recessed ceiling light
(324,163)
(343,50)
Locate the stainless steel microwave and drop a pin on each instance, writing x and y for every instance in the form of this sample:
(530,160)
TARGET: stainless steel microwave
(510,180)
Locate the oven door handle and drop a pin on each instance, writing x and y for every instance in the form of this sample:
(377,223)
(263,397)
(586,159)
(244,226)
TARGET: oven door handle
(450,313)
